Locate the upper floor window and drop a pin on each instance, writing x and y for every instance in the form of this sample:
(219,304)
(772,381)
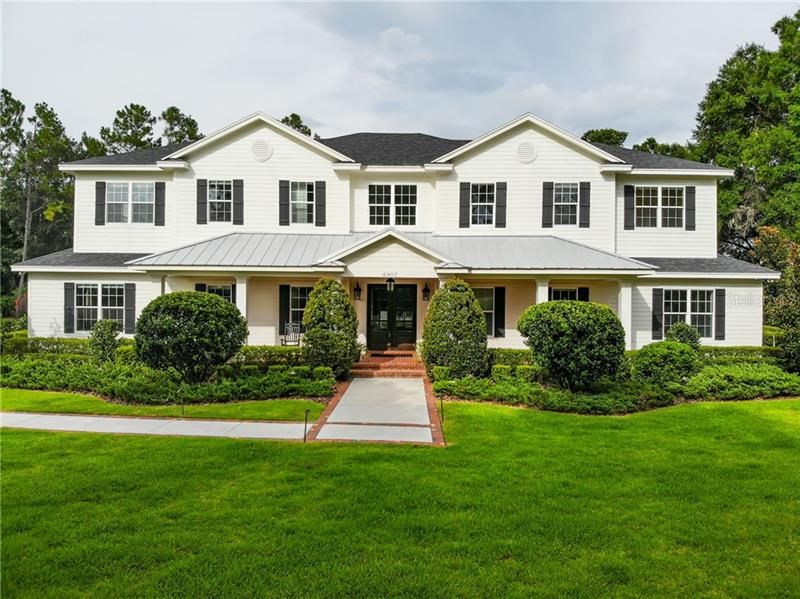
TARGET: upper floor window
(143,201)
(301,199)
(220,201)
(298,298)
(93,302)
(646,206)
(565,203)
(405,205)
(380,205)
(116,202)
(224,291)
(672,207)
(130,202)
(482,203)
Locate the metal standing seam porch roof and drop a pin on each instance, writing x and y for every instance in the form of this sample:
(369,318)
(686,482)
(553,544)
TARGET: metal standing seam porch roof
(285,250)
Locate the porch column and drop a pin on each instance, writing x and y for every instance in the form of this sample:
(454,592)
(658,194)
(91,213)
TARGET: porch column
(625,310)
(241,295)
(542,286)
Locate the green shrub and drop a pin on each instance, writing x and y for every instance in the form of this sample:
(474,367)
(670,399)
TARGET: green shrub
(191,332)
(249,370)
(322,372)
(664,362)
(683,332)
(771,335)
(789,348)
(508,391)
(22,345)
(509,357)
(454,333)
(502,372)
(125,354)
(739,354)
(8,305)
(529,373)
(440,373)
(9,325)
(743,381)
(576,343)
(267,355)
(331,328)
(302,372)
(104,340)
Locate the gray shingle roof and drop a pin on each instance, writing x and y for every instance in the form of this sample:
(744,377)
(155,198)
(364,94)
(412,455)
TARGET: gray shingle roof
(720,264)
(146,157)
(71,258)
(402,149)
(647,160)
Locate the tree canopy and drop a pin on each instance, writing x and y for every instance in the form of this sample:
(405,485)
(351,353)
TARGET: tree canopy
(295,121)
(612,137)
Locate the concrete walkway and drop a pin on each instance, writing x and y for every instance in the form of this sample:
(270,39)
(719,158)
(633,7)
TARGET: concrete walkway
(379,409)
(154,426)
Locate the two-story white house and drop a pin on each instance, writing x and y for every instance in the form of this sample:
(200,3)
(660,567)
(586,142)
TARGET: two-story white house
(526,213)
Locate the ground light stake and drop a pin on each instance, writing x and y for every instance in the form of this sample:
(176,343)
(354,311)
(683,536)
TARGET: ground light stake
(305,427)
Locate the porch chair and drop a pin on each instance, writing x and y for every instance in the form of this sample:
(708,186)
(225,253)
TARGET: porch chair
(292,334)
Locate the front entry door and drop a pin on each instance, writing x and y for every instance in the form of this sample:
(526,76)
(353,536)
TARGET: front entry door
(391,316)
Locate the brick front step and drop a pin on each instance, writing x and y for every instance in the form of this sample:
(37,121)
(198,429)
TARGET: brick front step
(388,365)
(367,373)
(393,353)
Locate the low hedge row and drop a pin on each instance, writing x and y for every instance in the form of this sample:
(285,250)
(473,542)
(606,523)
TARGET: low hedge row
(510,357)
(136,383)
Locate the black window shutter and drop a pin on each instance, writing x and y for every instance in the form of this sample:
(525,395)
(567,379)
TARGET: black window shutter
(547,205)
(319,203)
(69,307)
(630,211)
(283,308)
(585,201)
(283,203)
(499,311)
(583,294)
(202,201)
(233,294)
(501,193)
(130,307)
(238,202)
(100,203)
(200,287)
(719,314)
(690,209)
(463,205)
(161,204)
(658,314)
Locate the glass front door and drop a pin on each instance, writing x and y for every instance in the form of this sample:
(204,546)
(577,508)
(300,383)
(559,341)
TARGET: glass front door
(391,316)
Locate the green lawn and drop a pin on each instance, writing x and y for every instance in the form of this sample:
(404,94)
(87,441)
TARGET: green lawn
(22,400)
(697,500)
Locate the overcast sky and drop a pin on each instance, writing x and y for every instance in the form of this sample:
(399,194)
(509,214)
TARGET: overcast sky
(454,70)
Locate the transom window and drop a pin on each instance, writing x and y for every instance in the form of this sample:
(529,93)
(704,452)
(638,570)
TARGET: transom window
(298,298)
(702,311)
(482,203)
(564,294)
(565,203)
(117,202)
(647,206)
(672,207)
(485,296)
(93,302)
(380,205)
(220,201)
(224,291)
(405,205)
(302,202)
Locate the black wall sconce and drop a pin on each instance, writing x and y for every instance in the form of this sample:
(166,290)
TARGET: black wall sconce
(390,284)
(357,292)
(426,293)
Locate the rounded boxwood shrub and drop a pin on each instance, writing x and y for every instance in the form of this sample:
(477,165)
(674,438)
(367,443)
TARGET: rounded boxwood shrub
(331,328)
(683,332)
(575,343)
(192,332)
(104,340)
(454,333)
(664,362)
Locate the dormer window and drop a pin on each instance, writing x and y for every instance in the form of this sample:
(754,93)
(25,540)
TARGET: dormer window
(220,201)
(482,203)
(302,202)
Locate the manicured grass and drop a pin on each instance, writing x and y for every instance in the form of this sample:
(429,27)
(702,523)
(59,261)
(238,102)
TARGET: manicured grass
(696,500)
(22,400)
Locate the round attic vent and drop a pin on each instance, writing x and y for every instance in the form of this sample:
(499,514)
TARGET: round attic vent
(526,153)
(262,151)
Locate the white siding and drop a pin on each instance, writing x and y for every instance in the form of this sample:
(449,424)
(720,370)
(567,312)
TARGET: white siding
(46,298)
(743,309)
(671,243)
(390,258)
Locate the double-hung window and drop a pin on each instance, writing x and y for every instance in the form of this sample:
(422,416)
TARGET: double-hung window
(113,302)
(117,202)
(565,203)
(646,207)
(564,294)
(130,202)
(143,201)
(380,205)
(674,307)
(672,207)
(86,302)
(698,311)
(298,298)
(224,291)
(485,297)
(220,201)
(482,203)
(94,302)
(702,311)
(302,202)
(405,205)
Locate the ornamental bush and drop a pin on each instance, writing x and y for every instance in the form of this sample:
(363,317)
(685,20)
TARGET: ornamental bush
(192,332)
(454,333)
(664,362)
(104,340)
(789,346)
(683,332)
(331,328)
(575,343)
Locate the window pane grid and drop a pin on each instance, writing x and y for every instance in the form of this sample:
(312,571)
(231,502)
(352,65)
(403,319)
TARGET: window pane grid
(565,294)
(565,203)
(224,291)
(482,201)
(485,297)
(646,206)
(405,200)
(298,298)
(672,207)
(113,302)
(302,202)
(674,307)
(380,200)
(117,202)
(702,311)
(85,307)
(143,198)
(220,201)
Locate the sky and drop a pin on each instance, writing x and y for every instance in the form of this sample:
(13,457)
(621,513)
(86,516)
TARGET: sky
(450,69)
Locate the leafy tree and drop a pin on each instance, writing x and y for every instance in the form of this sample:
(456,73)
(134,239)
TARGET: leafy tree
(295,121)
(132,130)
(773,249)
(613,137)
(178,127)
(675,150)
(12,116)
(91,146)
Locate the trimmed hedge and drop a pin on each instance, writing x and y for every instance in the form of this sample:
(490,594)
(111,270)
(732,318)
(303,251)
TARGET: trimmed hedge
(267,355)
(741,381)
(510,357)
(664,362)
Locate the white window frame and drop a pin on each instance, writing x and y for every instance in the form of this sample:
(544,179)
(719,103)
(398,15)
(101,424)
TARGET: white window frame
(490,187)
(689,313)
(227,186)
(372,187)
(220,290)
(562,290)
(292,309)
(655,207)
(129,203)
(681,209)
(490,330)
(660,207)
(411,207)
(294,187)
(99,306)
(710,314)
(559,193)
(151,202)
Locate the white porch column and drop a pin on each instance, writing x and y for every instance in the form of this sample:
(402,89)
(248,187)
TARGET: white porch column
(542,286)
(241,295)
(625,310)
